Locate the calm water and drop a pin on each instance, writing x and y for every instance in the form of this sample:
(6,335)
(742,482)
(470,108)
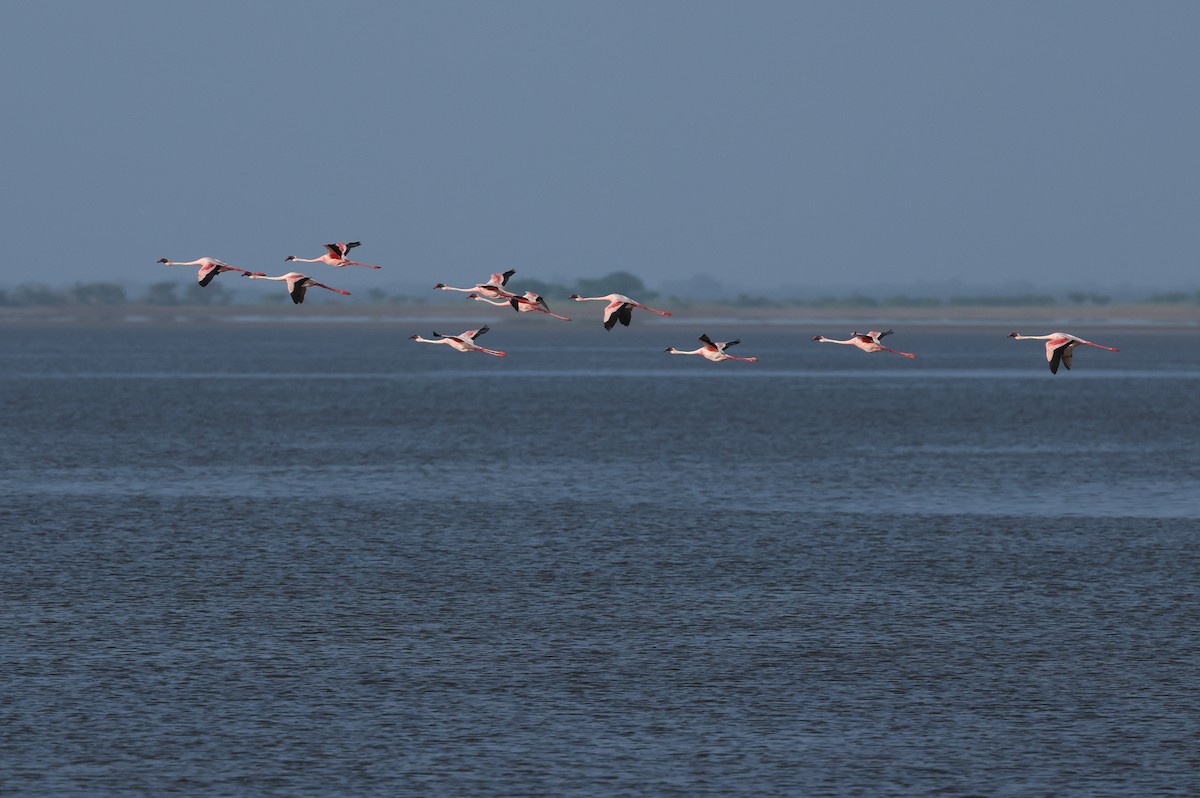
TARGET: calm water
(320,559)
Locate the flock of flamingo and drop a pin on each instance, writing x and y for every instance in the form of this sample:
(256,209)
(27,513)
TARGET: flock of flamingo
(617,308)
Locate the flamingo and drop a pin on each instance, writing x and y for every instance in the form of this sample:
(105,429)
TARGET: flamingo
(297,284)
(463,342)
(619,308)
(522,304)
(867,343)
(1059,346)
(493,288)
(209,268)
(335,255)
(713,350)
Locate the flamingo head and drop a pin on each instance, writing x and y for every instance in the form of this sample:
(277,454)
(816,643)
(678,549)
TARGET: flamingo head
(413,337)
(472,296)
(818,337)
(1013,335)
(573,296)
(290,257)
(440,285)
(254,274)
(163,260)
(668,349)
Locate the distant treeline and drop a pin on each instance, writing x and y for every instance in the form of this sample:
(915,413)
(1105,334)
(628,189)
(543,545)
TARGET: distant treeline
(177,293)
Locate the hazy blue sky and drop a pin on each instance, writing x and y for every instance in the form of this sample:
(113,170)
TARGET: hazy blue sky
(835,144)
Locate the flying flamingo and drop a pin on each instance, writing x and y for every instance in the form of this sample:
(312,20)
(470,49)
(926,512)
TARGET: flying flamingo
(297,284)
(713,350)
(209,268)
(522,304)
(463,342)
(1059,346)
(335,255)
(867,343)
(493,288)
(619,308)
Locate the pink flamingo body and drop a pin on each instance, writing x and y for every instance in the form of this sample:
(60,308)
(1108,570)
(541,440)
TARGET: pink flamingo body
(209,268)
(712,350)
(529,303)
(619,308)
(868,342)
(493,288)
(297,284)
(335,255)
(1059,346)
(463,342)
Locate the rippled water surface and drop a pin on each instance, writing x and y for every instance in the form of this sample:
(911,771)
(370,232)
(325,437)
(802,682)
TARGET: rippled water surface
(326,560)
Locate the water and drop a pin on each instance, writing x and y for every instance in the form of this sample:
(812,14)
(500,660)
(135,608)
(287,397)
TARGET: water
(324,560)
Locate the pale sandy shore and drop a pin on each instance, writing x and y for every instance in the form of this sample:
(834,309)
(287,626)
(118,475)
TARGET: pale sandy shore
(1175,316)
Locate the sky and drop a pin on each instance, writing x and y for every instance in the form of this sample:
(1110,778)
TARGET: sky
(768,146)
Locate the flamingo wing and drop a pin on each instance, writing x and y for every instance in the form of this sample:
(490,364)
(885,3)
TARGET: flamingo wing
(1067,352)
(1055,348)
(471,335)
(207,272)
(499,279)
(610,314)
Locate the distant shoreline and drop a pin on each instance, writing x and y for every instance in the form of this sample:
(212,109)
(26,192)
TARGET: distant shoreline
(1177,316)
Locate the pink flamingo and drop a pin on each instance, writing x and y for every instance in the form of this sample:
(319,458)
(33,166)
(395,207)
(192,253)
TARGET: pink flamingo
(493,288)
(867,343)
(209,268)
(1059,346)
(619,308)
(713,350)
(522,304)
(463,342)
(335,255)
(297,284)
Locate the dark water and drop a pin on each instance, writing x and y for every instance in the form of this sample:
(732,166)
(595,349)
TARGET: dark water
(324,560)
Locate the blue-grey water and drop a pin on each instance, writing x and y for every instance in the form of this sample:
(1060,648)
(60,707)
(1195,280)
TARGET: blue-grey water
(321,559)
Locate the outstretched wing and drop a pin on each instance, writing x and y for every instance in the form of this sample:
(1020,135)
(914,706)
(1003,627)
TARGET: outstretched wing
(1055,355)
(611,313)
(471,335)
(335,250)
(208,272)
(704,339)
(499,279)
(1067,352)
